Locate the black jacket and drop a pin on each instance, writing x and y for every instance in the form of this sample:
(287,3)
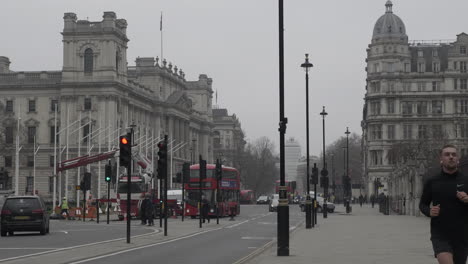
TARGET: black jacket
(452,222)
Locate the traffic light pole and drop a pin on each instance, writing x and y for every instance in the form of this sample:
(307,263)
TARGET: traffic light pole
(165,189)
(200,189)
(108,201)
(129,193)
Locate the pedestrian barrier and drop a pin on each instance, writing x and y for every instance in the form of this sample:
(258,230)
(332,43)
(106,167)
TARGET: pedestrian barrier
(91,213)
(77,212)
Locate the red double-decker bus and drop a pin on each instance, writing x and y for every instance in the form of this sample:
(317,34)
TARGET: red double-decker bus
(228,195)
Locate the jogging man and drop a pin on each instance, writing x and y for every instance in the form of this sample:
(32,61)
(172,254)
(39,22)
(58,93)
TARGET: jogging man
(447,191)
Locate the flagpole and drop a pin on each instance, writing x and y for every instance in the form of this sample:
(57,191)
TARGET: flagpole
(160,29)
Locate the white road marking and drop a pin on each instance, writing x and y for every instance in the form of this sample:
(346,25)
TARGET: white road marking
(258,238)
(141,247)
(238,224)
(73,247)
(27,248)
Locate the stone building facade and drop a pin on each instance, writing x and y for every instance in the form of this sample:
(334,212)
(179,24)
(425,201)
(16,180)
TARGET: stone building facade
(228,137)
(417,97)
(97,94)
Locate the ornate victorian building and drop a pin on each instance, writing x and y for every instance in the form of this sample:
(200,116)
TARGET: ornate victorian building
(228,138)
(97,97)
(416,100)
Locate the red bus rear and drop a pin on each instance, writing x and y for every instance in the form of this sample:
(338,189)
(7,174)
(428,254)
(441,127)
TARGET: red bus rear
(228,195)
(247,197)
(290,189)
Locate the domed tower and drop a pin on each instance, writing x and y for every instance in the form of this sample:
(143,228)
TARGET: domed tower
(388,65)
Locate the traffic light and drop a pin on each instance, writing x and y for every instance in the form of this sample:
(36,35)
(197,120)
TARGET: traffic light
(203,169)
(314,174)
(108,174)
(219,169)
(186,172)
(162,160)
(125,150)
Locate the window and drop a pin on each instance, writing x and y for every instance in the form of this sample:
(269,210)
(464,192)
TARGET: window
(421,67)
(375,108)
(391,157)
(421,108)
(455,65)
(462,66)
(29,184)
(406,87)
(422,132)
(437,131)
(87,104)
(407,67)
(462,49)
(32,106)
(390,106)
(435,53)
(463,84)
(436,67)
(461,106)
(9,106)
(421,86)
(86,132)
(54,104)
(88,61)
(31,134)
(420,53)
(407,108)
(455,84)
(51,161)
(52,132)
(435,86)
(407,131)
(463,130)
(51,184)
(30,161)
(9,135)
(375,132)
(8,161)
(376,67)
(436,107)
(464,153)
(375,87)
(391,86)
(390,67)
(376,157)
(391,132)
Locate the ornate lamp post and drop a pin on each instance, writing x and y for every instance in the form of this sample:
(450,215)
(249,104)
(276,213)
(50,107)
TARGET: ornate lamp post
(308,204)
(324,171)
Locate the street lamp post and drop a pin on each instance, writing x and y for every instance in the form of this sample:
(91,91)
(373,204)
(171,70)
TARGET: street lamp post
(348,209)
(283,207)
(333,174)
(324,169)
(308,204)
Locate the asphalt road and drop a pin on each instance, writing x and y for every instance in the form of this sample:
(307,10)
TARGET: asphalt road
(253,228)
(78,242)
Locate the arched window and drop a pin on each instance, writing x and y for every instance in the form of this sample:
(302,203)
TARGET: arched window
(88,60)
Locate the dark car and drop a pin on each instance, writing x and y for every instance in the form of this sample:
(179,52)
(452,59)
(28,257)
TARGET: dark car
(263,200)
(24,213)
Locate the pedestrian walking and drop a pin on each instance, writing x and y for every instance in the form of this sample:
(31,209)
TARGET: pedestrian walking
(205,209)
(149,210)
(445,200)
(361,200)
(372,199)
(64,207)
(145,209)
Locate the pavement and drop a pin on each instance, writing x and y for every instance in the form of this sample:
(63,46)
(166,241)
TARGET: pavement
(363,237)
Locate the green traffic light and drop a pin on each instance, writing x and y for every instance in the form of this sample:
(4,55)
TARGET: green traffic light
(108,179)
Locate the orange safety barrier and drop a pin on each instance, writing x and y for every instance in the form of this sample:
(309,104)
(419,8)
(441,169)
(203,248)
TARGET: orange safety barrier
(91,212)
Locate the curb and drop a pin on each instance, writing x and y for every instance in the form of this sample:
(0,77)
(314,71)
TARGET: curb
(265,247)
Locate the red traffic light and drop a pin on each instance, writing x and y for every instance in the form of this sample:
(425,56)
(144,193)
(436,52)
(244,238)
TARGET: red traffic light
(124,140)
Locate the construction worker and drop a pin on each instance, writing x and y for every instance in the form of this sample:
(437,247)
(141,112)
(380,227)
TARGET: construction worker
(64,207)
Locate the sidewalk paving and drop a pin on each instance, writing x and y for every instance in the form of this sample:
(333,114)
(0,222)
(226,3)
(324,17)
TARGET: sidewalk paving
(364,236)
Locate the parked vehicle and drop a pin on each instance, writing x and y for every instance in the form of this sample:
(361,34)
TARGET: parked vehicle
(24,213)
(263,200)
(274,201)
(330,205)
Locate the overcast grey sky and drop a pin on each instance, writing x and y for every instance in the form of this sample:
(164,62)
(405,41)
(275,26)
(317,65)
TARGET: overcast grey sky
(236,44)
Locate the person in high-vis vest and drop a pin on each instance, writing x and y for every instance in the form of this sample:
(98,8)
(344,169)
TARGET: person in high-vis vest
(64,207)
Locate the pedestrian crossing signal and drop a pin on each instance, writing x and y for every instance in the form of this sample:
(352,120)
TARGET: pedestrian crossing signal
(108,173)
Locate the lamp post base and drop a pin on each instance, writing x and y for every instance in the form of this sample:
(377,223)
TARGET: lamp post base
(308,210)
(283,230)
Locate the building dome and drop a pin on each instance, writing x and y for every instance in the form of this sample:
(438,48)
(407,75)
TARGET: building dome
(389,26)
